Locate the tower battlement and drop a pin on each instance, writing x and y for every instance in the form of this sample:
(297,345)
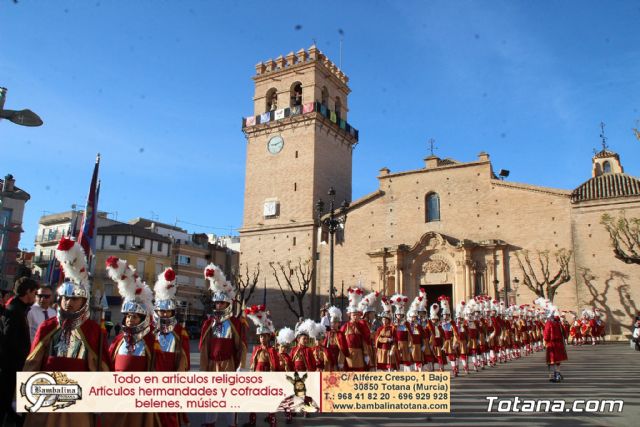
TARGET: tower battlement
(313,54)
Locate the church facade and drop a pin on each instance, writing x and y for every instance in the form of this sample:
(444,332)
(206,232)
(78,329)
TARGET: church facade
(453,228)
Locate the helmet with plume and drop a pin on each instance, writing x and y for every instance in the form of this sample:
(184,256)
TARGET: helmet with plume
(258,315)
(356,293)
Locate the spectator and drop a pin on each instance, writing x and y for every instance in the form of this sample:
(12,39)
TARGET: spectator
(16,346)
(6,297)
(41,310)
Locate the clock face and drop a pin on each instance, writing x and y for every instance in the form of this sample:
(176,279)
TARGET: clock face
(275,144)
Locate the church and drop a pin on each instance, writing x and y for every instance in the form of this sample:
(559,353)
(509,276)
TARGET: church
(453,228)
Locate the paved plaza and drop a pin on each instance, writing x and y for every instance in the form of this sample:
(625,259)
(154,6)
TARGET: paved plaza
(609,371)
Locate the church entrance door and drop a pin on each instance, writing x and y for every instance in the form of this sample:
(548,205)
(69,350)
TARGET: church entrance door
(435,291)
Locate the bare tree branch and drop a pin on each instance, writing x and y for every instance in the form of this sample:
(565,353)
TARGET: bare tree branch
(544,284)
(625,236)
(296,280)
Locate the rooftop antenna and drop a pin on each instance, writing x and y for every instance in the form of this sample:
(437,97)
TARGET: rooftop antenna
(604,138)
(432,145)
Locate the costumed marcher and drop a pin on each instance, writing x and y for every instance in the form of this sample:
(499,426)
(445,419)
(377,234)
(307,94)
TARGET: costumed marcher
(136,347)
(417,336)
(355,340)
(586,328)
(368,308)
(331,340)
(553,340)
(494,331)
(437,335)
(70,341)
(174,354)
(384,339)
(402,332)
(320,352)
(462,324)
(302,355)
(284,339)
(471,326)
(223,344)
(450,336)
(264,357)
(575,331)
(566,326)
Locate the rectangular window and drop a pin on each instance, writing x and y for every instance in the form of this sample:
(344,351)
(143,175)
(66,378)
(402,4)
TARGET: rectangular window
(140,269)
(159,246)
(159,268)
(295,186)
(183,260)
(294,241)
(141,244)
(114,240)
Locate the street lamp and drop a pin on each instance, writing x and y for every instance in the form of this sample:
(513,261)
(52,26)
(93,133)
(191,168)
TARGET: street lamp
(23,117)
(332,222)
(516,285)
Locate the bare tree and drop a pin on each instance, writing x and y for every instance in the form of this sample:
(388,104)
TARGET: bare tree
(295,279)
(625,237)
(246,282)
(540,279)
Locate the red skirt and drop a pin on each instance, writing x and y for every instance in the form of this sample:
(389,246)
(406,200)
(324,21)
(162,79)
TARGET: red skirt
(556,353)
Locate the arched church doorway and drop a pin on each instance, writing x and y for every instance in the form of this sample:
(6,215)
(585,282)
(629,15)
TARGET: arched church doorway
(435,291)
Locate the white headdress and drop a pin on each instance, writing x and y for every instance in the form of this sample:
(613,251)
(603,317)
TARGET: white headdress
(444,305)
(414,307)
(387,308)
(435,308)
(307,327)
(356,294)
(258,315)
(285,336)
(368,303)
(165,290)
(335,314)
(74,264)
(399,302)
(221,288)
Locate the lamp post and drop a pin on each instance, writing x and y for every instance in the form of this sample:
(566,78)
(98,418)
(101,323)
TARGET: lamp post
(332,222)
(496,282)
(23,117)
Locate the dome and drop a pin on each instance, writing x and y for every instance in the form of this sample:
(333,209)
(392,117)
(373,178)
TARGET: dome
(606,186)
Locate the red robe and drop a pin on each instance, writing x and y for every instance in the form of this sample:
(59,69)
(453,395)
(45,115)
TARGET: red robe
(353,344)
(223,351)
(303,359)
(178,361)
(554,342)
(123,363)
(271,365)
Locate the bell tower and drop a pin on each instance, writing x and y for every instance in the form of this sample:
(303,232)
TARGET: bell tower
(299,144)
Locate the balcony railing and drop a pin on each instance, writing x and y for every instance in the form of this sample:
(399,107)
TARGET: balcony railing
(310,107)
(50,237)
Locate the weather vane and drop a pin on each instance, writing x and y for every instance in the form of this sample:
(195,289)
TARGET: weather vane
(604,138)
(432,145)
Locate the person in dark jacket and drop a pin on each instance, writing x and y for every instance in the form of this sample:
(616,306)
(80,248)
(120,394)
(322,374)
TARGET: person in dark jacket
(17,343)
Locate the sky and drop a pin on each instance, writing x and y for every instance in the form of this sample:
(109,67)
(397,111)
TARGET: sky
(159,88)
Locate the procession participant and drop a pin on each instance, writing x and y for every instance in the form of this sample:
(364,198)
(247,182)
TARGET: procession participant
(437,334)
(384,339)
(70,341)
(331,340)
(528,329)
(136,347)
(486,329)
(223,345)
(302,355)
(355,340)
(174,354)
(554,342)
(472,332)
(598,326)
(506,340)
(574,331)
(368,308)
(284,339)
(450,337)
(416,336)
(323,358)
(566,326)
(463,335)
(428,357)
(264,357)
(402,331)
(540,330)
(481,350)
(518,326)
(493,329)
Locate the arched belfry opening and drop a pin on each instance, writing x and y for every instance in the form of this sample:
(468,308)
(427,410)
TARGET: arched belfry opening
(296,94)
(271,100)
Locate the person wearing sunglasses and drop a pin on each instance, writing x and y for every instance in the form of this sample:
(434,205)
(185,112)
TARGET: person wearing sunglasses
(41,310)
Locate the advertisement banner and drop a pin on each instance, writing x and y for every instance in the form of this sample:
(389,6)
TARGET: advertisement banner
(129,392)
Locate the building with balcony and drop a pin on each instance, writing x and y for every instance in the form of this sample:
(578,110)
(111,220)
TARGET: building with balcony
(51,228)
(12,202)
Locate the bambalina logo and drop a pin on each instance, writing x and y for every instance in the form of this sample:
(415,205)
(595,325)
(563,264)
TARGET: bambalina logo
(56,390)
